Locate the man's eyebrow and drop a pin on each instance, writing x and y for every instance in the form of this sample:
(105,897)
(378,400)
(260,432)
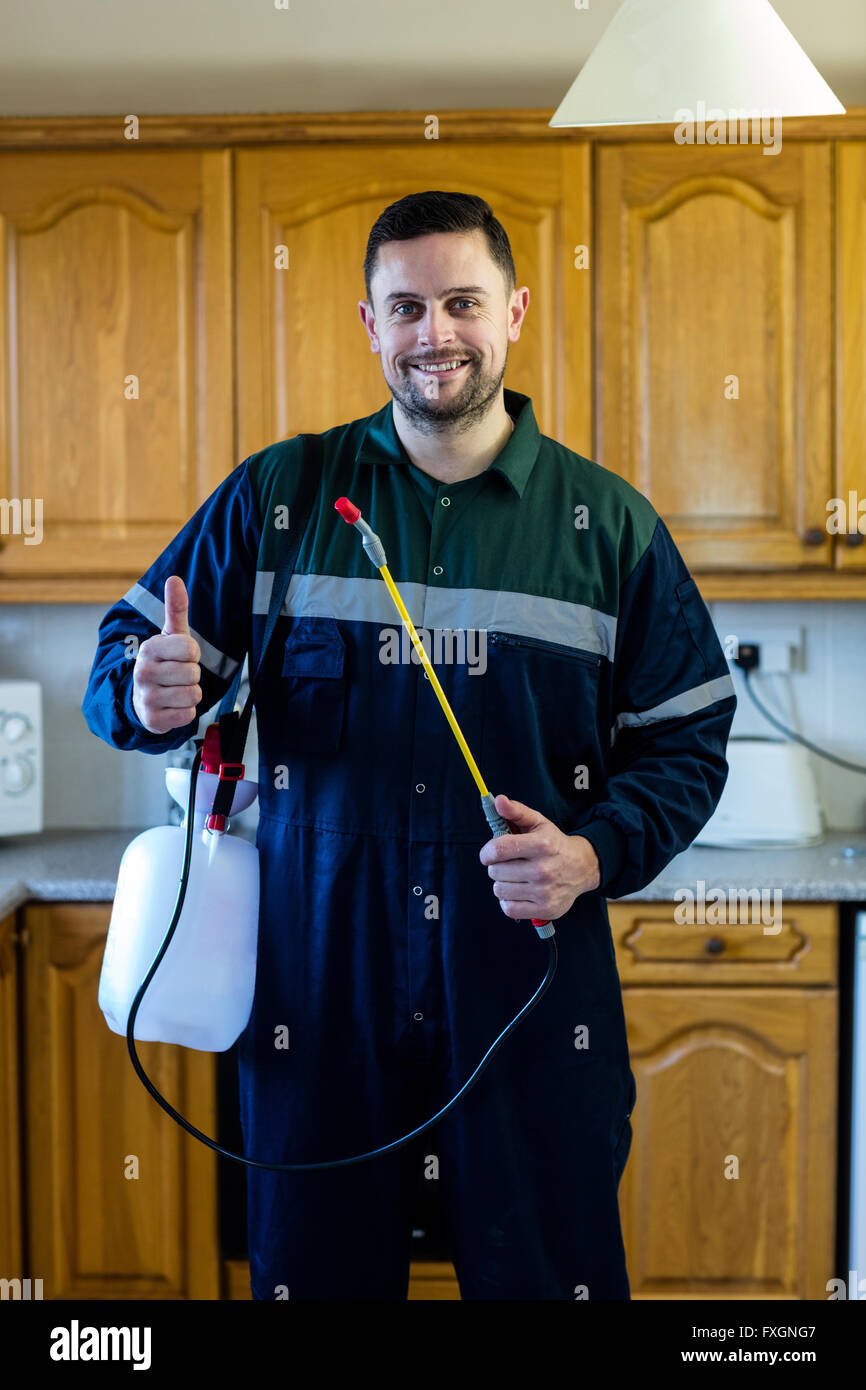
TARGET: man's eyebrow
(455,289)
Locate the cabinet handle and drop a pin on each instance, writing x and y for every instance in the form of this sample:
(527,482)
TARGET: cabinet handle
(854,538)
(813,536)
(714,945)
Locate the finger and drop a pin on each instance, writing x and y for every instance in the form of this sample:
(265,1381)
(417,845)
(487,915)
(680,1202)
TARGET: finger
(176,607)
(170,647)
(518,908)
(177,673)
(505,847)
(512,871)
(175,696)
(518,888)
(524,817)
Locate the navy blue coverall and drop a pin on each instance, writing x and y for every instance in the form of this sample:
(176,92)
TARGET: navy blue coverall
(591,686)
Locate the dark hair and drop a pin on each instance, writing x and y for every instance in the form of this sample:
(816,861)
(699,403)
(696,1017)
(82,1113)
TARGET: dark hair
(420,214)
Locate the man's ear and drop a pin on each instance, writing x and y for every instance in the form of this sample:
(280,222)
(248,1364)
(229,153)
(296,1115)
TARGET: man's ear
(368,320)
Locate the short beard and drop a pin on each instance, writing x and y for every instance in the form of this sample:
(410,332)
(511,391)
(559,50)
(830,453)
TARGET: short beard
(470,405)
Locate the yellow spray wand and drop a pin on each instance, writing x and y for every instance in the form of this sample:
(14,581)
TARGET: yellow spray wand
(376,553)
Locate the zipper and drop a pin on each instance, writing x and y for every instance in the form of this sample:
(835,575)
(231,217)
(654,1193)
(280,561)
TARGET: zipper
(509,639)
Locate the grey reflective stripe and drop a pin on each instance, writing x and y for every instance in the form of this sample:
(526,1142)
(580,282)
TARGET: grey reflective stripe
(688,702)
(329,596)
(153,609)
(368,601)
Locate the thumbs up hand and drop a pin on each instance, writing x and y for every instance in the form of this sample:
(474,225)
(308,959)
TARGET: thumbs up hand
(167,674)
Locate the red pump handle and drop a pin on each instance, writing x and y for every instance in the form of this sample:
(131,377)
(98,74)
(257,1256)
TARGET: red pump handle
(210,753)
(211,761)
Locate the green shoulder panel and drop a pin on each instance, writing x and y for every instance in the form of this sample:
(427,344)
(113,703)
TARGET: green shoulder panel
(619,526)
(274,474)
(622,512)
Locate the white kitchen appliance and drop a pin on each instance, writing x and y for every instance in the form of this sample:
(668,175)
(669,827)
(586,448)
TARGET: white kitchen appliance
(20,757)
(770,797)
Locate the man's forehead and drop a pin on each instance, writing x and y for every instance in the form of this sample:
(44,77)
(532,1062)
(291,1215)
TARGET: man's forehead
(422,267)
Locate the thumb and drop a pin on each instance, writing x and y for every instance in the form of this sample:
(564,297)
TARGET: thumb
(522,816)
(176,606)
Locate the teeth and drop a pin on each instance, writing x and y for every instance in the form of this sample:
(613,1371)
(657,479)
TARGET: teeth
(439,366)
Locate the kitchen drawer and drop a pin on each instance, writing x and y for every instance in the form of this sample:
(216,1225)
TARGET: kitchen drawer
(653,947)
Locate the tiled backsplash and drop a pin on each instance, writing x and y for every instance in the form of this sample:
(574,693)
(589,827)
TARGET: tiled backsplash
(826,698)
(89,784)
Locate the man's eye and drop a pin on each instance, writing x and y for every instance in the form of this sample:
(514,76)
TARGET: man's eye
(408,305)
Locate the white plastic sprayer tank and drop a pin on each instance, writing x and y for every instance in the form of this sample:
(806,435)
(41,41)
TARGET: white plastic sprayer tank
(202,993)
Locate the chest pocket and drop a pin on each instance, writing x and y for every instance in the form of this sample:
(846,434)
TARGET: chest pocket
(540,721)
(314,685)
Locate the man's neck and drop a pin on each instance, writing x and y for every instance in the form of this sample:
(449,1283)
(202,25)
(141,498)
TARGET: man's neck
(452,456)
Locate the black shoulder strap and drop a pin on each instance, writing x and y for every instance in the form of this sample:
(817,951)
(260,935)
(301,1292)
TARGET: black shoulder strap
(234,727)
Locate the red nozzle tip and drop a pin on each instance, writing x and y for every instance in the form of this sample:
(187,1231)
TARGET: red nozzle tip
(348,511)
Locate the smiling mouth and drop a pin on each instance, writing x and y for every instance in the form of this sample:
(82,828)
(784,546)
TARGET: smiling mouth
(440,370)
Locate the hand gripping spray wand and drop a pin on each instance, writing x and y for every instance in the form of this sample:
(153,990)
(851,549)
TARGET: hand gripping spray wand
(225,877)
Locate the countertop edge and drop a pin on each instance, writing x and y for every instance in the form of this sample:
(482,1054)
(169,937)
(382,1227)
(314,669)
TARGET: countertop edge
(81,865)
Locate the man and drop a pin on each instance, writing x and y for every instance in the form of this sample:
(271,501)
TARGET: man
(394,943)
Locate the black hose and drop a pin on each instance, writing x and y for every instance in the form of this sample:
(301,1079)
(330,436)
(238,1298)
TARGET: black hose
(145,1080)
(798,738)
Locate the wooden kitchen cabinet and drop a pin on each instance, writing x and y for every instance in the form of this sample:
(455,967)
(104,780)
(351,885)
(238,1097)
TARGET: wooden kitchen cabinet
(715,344)
(850,550)
(733,1043)
(303,355)
(120,1202)
(11,1253)
(697,322)
(116,279)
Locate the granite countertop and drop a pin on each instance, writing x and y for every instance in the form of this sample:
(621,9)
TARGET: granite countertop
(834,871)
(81,865)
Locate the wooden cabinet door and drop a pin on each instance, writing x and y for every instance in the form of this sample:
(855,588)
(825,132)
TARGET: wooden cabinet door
(729,1187)
(116,279)
(851,349)
(304,359)
(11,1254)
(714,331)
(121,1203)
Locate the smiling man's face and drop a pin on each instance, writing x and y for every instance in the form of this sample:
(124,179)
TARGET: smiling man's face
(440,299)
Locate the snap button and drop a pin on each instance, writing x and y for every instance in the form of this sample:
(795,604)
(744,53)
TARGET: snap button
(418,1017)
(446,501)
(417,890)
(419,787)
(437,569)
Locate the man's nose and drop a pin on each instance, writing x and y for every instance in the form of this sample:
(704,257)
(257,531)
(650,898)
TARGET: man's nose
(436,327)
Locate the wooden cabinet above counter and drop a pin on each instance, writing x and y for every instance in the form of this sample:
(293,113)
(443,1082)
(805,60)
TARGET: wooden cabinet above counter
(115,359)
(697,323)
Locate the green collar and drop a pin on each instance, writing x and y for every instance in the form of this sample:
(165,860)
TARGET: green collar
(380,442)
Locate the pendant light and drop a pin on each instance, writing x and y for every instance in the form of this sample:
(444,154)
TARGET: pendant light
(658,59)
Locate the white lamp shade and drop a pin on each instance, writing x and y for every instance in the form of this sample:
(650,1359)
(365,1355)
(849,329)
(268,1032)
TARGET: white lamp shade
(658,58)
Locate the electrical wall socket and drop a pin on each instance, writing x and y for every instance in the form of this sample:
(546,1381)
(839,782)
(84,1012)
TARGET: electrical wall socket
(781,648)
